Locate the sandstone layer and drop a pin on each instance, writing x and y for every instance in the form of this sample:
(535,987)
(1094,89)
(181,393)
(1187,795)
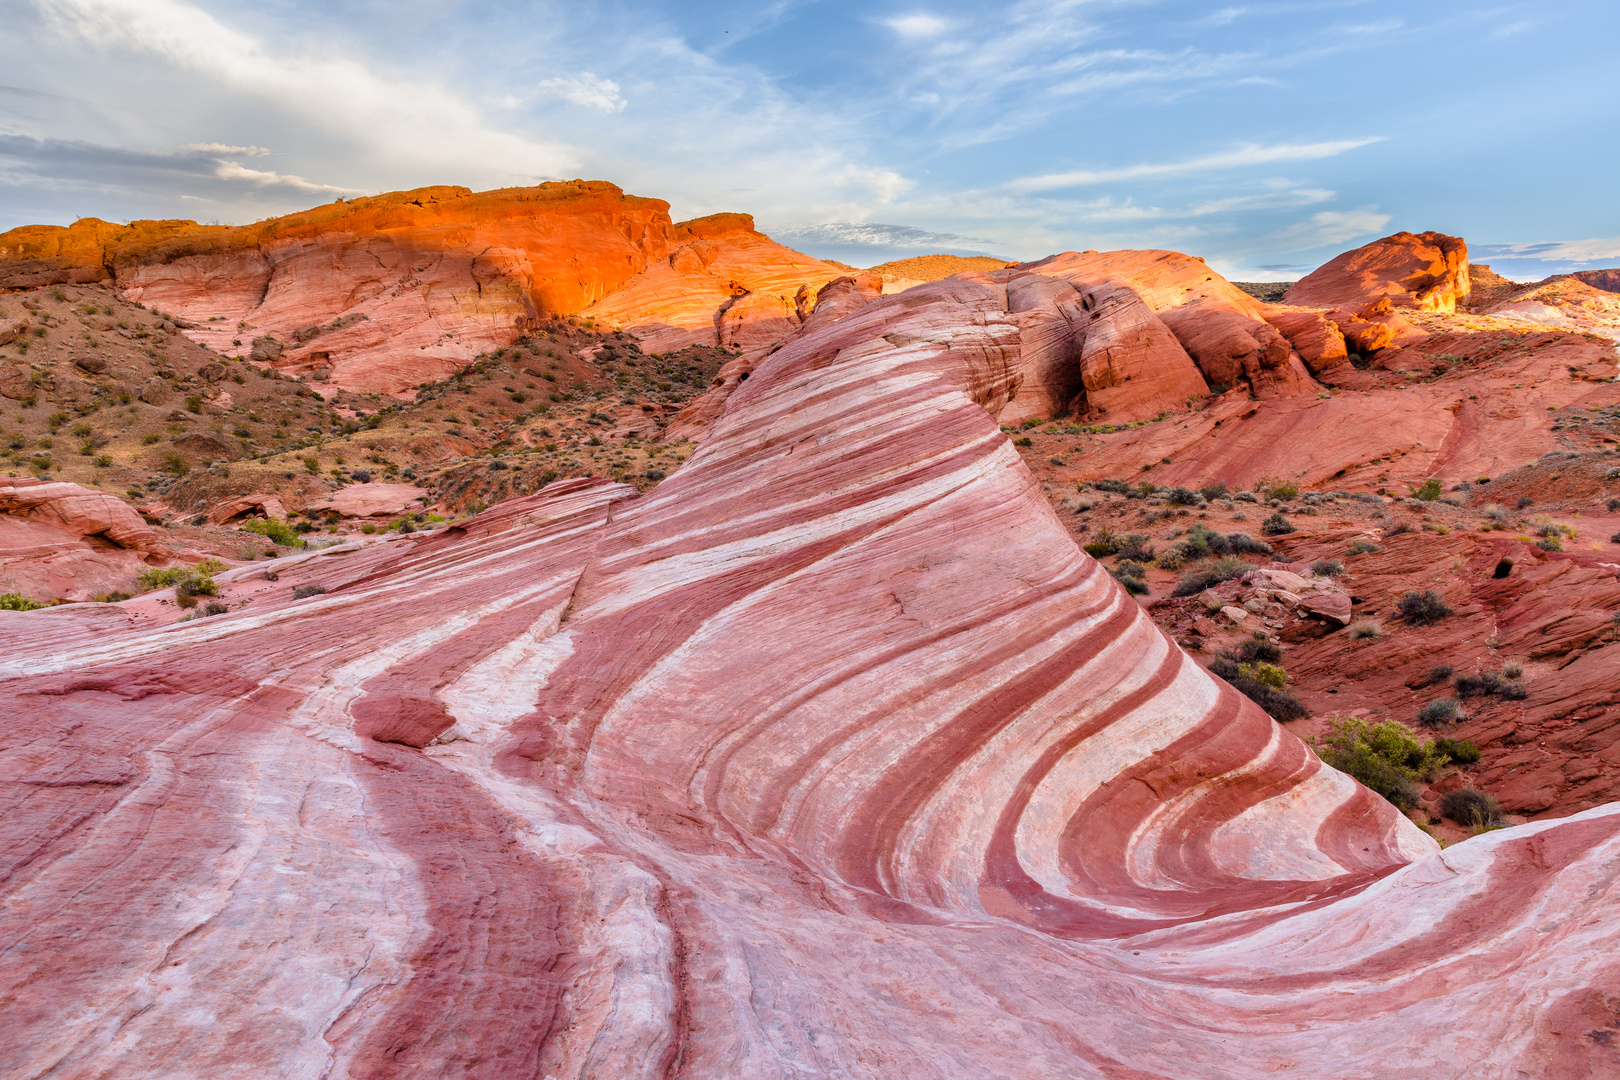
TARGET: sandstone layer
(832,755)
(64,541)
(385,293)
(1426,271)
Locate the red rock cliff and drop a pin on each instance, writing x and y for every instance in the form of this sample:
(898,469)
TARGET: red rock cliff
(384,293)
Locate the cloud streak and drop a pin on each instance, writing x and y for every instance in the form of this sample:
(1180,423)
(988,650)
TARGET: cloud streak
(1243,157)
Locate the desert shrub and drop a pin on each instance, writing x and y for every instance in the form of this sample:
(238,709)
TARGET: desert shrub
(312,465)
(1398,528)
(1423,608)
(1132,576)
(1252,649)
(1327,568)
(1386,757)
(1444,711)
(1362,547)
(1428,492)
(1202,540)
(1023,440)
(213,607)
(1244,544)
(1513,670)
(1471,807)
(1365,629)
(1261,682)
(1171,560)
(1223,569)
(187,580)
(361,476)
(1217,490)
(1438,674)
(1460,751)
(304,592)
(1102,543)
(1276,525)
(1278,489)
(1614,504)
(1118,487)
(17,602)
(1181,496)
(277,532)
(1550,543)
(198,585)
(1134,546)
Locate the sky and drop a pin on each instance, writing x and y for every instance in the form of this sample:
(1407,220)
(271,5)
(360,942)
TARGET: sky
(1265,137)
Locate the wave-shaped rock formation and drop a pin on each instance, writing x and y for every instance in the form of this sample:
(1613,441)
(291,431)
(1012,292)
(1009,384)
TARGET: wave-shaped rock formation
(386,293)
(830,756)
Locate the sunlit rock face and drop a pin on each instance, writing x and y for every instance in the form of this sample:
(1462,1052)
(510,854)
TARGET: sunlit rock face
(1427,271)
(386,293)
(830,756)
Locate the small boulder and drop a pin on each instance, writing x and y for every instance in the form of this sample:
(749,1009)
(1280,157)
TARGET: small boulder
(155,391)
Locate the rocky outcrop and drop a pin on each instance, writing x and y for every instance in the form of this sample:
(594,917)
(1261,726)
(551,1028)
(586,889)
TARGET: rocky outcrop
(1427,271)
(722,283)
(370,500)
(1607,280)
(1220,326)
(1316,338)
(593,785)
(60,541)
(385,293)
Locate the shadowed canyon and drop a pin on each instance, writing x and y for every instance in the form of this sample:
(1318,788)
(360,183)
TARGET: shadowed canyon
(516,634)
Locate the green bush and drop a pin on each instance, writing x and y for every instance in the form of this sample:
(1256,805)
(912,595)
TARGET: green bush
(278,532)
(1276,525)
(1132,576)
(187,580)
(1251,674)
(17,602)
(1471,807)
(1386,757)
(1461,751)
(1362,547)
(1327,568)
(1428,492)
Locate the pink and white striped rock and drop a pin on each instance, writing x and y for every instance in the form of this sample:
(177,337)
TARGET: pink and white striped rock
(830,756)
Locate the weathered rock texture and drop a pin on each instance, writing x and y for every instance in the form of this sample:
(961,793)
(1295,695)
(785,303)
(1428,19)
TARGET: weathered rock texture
(1427,271)
(832,755)
(385,293)
(60,540)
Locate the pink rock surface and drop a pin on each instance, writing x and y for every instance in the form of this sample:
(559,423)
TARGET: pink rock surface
(371,500)
(830,756)
(62,541)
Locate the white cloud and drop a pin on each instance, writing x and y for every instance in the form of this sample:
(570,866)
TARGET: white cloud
(225,149)
(587,91)
(411,125)
(1555,251)
(1243,157)
(231,170)
(918,25)
(1332,227)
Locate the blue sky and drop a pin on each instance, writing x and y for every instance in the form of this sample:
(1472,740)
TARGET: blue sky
(1264,136)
